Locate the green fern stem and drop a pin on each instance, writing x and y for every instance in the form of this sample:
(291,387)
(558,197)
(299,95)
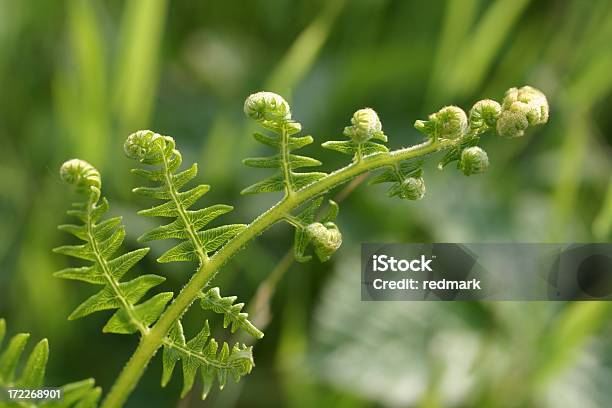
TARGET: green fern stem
(193,237)
(358,153)
(295,221)
(127,306)
(155,338)
(192,354)
(285,162)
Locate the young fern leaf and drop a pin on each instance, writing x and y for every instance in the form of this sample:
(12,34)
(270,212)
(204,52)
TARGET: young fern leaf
(80,394)
(232,315)
(323,235)
(273,113)
(364,130)
(156,150)
(102,240)
(407,179)
(201,353)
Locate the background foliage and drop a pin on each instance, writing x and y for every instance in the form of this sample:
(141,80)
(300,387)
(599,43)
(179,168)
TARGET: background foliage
(77,76)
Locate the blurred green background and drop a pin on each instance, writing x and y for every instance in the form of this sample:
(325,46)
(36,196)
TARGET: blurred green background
(76,77)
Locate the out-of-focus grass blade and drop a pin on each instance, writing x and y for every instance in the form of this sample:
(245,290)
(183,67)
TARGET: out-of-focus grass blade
(138,64)
(597,29)
(592,84)
(578,322)
(290,70)
(475,58)
(81,94)
(602,226)
(458,19)
(303,52)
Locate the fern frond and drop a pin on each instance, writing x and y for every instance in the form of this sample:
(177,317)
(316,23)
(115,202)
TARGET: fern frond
(103,239)
(153,149)
(323,235)
(406,178)
(365,129)
(454,154)
(273,113)
(232,315)
(201,353)
(82,394)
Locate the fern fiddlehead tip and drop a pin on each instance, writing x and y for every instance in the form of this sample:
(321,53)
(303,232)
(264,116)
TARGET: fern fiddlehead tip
(365,125)
(450,122)
(146,146)
(521,108)
(267,106)
(412,188)
(474,160)
(82,175)
(326,239)
(484,115)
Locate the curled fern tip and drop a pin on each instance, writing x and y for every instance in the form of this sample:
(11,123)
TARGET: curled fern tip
(267,106)
(473,160)
(145,146)
(326,239)
(521,108)
(365,125)
(450,122)
(81,174)
(484,115)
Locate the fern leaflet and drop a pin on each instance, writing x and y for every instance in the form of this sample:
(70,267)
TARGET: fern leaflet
(201,353)
(232,315)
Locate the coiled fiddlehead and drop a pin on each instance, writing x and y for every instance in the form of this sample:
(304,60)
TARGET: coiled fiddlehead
(473,160)
(450,122)
(323,235)
(365,129)
(81,394)
(102,240)
(521,108)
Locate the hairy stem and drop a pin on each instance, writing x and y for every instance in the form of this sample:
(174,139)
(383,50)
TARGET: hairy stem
(127,306)
(180,208)
(285,165)
(150,343)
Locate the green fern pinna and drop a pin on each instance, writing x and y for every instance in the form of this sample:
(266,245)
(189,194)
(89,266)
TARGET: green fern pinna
(157,318)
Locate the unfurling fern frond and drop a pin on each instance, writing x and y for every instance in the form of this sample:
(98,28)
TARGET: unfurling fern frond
(159,151)
(201,353)
(407,179)
(232,312)
(102,240)
(323,235)
(365,129)
(273,113)
(80,394)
